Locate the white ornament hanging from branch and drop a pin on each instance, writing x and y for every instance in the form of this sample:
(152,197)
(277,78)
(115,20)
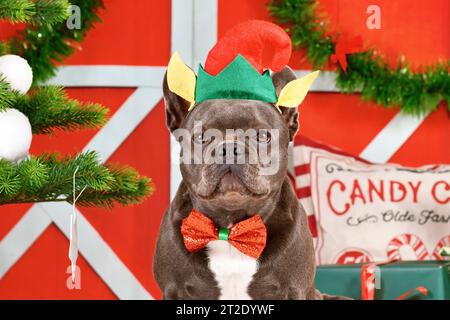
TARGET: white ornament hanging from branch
(17,72)
(15,135)
(73,247)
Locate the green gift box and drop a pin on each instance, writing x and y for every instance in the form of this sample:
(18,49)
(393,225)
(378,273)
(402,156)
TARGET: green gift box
(392,280)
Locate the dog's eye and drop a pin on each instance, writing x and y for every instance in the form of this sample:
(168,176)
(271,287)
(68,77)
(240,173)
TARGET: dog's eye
(200,138)
(263,136)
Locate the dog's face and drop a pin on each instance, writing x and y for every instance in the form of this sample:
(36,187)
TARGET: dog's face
(234,152)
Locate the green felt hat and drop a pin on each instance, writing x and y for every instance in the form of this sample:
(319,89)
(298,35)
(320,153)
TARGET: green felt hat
(234,69)
(238,80)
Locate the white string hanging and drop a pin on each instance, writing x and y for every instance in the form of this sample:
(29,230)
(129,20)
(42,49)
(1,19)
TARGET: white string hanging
(73,248)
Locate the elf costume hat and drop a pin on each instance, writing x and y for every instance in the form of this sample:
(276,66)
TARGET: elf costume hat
(237,68)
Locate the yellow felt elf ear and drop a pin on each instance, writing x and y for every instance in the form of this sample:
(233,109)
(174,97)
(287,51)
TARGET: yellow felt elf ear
(295,91)
(181,79)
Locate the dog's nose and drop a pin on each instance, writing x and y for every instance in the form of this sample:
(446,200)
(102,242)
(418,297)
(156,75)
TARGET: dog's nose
(231,149)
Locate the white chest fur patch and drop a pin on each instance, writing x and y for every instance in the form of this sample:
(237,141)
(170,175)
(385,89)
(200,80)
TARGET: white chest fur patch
(232,269)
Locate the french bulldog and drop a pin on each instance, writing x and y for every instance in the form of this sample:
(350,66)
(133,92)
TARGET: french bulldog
(228,194)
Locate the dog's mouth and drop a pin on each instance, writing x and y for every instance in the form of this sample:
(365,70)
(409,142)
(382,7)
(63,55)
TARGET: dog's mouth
(230,183)
(235,183)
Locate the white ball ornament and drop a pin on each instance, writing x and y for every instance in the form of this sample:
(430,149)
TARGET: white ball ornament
(17,72)
(15,135)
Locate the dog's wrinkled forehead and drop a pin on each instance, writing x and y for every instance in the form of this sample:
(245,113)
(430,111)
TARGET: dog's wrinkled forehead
(223,114)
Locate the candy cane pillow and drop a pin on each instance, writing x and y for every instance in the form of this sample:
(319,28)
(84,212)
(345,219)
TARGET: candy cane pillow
(366,212)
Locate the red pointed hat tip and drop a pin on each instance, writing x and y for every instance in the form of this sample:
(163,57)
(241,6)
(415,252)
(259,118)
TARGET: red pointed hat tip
(251,39)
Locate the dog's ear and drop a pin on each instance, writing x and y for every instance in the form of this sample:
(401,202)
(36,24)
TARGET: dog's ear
(176,107)
(290,115)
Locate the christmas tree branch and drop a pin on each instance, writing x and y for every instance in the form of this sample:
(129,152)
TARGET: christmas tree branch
(34,12)
(50,12)
(44,44)
(49,178)
(17,10)
(7,95)
(49,109)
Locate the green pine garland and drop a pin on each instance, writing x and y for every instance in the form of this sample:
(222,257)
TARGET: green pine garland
(49,177)
(414,92)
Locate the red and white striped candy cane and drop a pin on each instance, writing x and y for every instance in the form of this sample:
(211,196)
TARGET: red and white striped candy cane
(444,242)
(406,239)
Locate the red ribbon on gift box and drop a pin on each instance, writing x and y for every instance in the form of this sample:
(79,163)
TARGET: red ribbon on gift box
(368,283)
(421,290)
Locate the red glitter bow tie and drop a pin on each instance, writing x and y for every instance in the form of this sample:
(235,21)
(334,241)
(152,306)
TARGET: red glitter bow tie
(248,236)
